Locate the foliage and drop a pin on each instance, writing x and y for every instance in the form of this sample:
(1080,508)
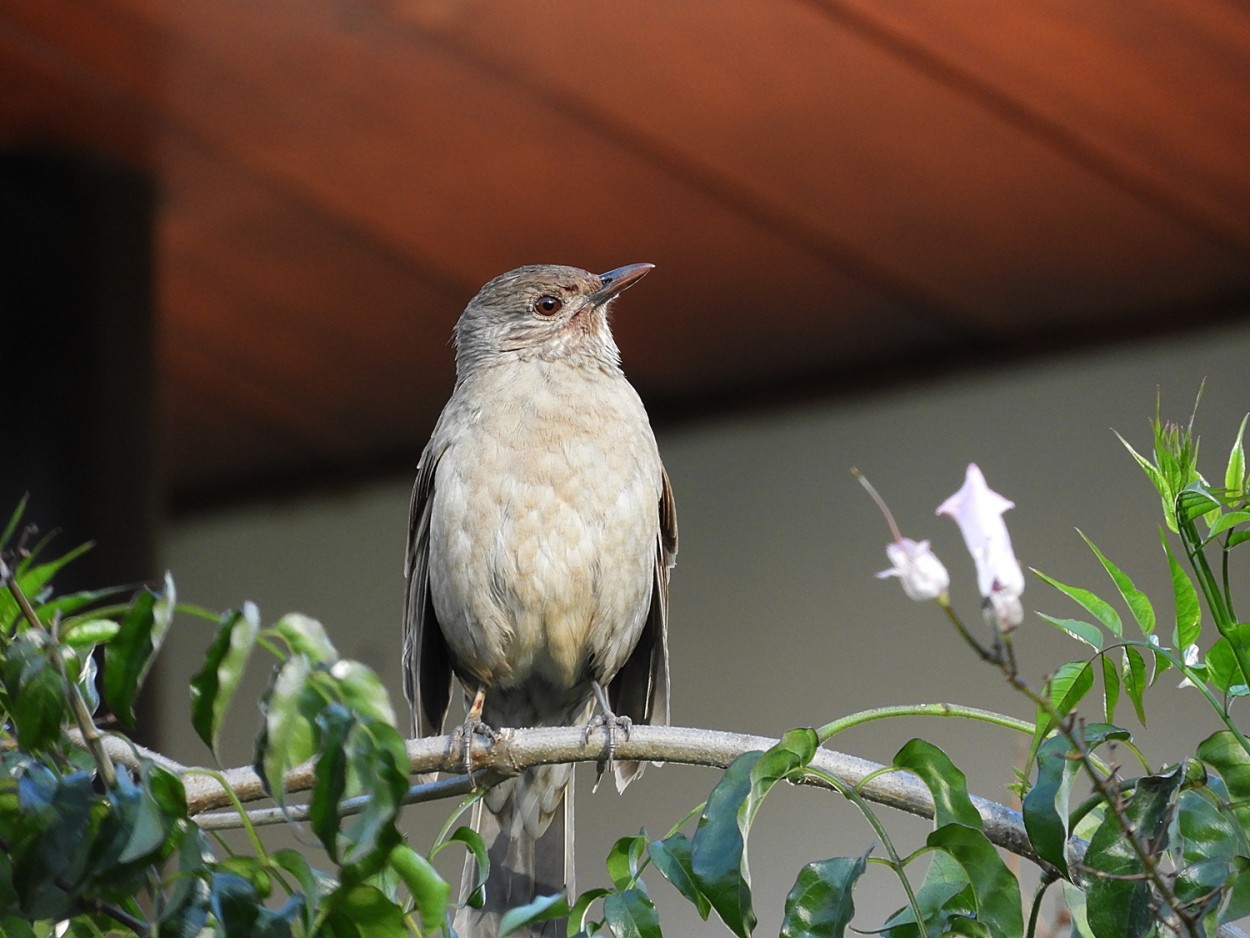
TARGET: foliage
(109,846)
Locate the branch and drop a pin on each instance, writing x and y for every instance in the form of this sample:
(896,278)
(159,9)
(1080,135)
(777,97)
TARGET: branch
(520,749)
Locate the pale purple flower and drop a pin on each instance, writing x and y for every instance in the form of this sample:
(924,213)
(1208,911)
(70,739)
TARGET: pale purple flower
(918,569)
(978,510)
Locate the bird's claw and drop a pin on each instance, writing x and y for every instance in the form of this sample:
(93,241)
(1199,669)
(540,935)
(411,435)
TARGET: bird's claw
(610,723)
(471,727)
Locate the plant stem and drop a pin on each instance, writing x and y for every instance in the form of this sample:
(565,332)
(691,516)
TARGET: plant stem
(829,730)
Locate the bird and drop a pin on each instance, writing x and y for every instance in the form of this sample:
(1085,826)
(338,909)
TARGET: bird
(542,536)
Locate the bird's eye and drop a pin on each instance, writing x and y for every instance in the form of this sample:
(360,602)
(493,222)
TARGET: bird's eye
(548,305)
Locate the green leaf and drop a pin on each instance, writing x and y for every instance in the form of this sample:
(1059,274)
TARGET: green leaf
(1229,519)
(306,637)
(579,912)
(1188,612)
(671,857)
(31,581)
(718,852)
(541,909)
(1097,607)
(1110,687)
(1045,807)
(947,784)
(786,760)
(363,911)
(1194,501)
(295,863)
(14,520)
(944,895)
(1133,676)
(289,707)
(213,687)
(1234,473)
(87,633)
(1137,601)
(363,691)
(1081,631)
(473,842)
(1222,667)
(430,892)
(1156,479)
(1225,754)
(1120,901)
(38,707)
(630,914)
(1069,685)
(371,834)
(821,903)
(996,890)
(333,724)
(625,861)
(129,657)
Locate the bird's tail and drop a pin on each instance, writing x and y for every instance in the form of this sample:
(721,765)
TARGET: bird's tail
(527,825)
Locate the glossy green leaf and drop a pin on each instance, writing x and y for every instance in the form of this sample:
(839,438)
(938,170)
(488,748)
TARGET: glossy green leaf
(430,892)
(364,911)
(32,580)
(1110,687)
(1137,601)
(784,761)
(821,903)
(542,909)
(129,657)
(1046,806)
(1225,754)
(371,833)
(1120,900)
(1188,612)
(306,636)
(1082,631)
(624,861)
(38,707)
(947,784)
(289,707)
(579,912)
(1095,605)
(333,724)
(362,690)
(472,842)
(630,914)
(88,633)
(995,887)
(718,851)
(945,894)
(213,687)
(1234,472)
(1226,521)
(1223,669)
(1133,677)
(1194,501)
(1069,685)
(1157,479)
(296,864)
(671,857)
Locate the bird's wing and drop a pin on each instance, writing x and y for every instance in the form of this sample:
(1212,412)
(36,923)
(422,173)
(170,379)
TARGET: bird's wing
(640,689)
(426,661)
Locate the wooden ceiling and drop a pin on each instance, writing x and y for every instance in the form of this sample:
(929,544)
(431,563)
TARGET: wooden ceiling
(833,191)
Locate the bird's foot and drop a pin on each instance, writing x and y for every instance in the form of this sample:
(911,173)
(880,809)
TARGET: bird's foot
(474,726)
(611,724)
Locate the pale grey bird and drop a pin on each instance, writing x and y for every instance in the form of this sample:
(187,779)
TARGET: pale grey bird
(541,539)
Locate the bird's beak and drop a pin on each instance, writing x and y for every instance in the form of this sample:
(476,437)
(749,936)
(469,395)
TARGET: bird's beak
(617,281)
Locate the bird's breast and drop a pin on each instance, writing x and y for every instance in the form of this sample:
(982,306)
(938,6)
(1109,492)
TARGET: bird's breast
(543,530)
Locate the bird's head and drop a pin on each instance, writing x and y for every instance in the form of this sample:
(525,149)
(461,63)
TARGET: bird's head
(543,311)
